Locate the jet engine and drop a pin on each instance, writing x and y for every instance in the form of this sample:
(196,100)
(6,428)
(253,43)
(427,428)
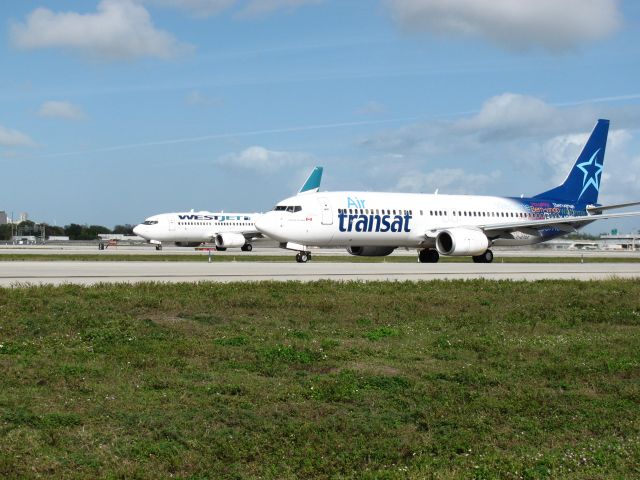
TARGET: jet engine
(226,240)
(370,251)
(188,244)
(461,241)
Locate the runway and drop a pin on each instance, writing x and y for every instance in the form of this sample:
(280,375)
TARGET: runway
(89,273)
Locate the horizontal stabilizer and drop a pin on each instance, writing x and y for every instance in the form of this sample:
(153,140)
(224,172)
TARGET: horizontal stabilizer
(602,208)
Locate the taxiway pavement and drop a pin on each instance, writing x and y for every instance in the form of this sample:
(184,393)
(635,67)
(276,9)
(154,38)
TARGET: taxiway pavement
(89,273)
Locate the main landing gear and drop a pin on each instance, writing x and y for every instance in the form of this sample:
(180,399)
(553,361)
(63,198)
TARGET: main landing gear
(303,257)
(428,255)
(158,247)
(247,247)
(486,257)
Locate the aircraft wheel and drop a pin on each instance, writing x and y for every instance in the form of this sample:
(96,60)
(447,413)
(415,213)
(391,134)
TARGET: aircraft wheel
(302,257)
(247,248)
(428,255)
(158,247)
(486,257)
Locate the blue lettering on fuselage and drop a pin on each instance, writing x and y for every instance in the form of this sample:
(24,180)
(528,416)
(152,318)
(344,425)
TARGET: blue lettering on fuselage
(195,217)
(221,218)
(373,223)
(355,203)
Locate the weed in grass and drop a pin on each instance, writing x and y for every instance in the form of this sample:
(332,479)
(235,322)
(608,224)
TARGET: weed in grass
(382,332)
(232,341)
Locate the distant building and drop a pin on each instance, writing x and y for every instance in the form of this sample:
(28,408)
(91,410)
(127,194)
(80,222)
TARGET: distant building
(24,239)
(24,216)
(3,218)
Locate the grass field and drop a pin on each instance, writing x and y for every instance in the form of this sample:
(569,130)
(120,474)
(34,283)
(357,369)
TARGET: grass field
(95,257)
(443,380)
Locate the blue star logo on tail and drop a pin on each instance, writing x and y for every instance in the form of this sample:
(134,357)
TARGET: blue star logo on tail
(592,170)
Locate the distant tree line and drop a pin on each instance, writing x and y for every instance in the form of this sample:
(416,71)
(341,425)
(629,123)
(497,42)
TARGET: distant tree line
(74,231)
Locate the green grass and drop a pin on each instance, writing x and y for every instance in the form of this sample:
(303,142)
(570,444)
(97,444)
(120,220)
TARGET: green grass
(95,257)
(444,380)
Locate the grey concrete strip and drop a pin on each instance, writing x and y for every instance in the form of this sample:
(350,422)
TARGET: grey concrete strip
(87,273)
(265,247)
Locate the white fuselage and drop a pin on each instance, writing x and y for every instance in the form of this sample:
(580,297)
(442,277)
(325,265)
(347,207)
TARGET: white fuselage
(195,226)
(399,219)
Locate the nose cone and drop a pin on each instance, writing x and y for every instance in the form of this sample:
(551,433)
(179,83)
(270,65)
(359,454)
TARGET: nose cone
(266,224)
(139,230)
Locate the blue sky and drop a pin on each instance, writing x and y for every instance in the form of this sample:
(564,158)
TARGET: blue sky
(114,110)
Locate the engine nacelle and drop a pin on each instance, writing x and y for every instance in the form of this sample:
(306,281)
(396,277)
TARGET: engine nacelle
(188,244)
(227,240)
(370,251)
(461,241)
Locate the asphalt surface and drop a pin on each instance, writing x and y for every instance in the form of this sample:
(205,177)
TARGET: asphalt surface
(88,273)
(266,247)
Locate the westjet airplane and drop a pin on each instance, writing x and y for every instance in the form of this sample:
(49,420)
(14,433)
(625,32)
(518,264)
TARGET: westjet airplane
(376,223)
(190,229)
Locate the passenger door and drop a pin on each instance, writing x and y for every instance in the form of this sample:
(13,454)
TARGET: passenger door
(327,214)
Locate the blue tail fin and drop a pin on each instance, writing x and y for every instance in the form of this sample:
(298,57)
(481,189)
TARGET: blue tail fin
(583,182)
(312,184)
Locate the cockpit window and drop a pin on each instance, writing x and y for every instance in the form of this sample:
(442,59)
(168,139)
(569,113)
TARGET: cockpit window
(150,222)
(288,208)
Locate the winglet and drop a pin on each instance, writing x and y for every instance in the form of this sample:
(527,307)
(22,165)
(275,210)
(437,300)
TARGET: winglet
(312,185)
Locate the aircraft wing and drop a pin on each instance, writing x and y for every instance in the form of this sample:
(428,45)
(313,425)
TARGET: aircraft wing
(252,235)
(247,235)
(568,224)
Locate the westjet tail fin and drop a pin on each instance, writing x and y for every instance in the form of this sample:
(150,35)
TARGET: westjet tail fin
(583,182)
(312,184)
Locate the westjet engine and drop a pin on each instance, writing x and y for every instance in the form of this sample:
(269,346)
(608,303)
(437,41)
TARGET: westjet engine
(461,241)
(226,240)
(370,251)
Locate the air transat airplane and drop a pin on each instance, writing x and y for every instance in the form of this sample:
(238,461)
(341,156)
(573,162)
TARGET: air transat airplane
(190,229)
(376,223)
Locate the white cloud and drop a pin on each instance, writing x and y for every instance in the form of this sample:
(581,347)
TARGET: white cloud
(195,98)
(371,108)
(59,109)
(247,8)
(197,8)
(14,138)
(513,24)
(263,159)
(507,119)
(264,7)
(120,29)
(534,141)
(447,180)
